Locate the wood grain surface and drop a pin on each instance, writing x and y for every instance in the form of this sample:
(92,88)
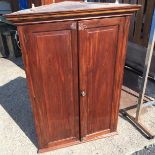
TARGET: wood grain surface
(74,71)
(99,44)
(54,81)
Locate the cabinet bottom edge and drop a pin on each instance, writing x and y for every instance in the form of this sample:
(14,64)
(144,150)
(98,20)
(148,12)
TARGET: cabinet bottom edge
(42,150)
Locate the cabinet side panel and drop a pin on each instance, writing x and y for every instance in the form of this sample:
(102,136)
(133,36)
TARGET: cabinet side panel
(119,68)
(35,108)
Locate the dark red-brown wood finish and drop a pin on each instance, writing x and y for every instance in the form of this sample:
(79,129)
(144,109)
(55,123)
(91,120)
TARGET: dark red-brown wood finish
(53,73)
(100,41)
(74,67)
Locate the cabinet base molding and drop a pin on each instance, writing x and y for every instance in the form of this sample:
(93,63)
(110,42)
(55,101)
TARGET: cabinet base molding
(52,148)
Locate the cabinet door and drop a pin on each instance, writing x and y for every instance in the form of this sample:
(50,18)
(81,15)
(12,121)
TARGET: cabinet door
(101,55)
(50,56)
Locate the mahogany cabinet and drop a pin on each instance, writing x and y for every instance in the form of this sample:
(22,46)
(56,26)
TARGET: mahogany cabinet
(74,62)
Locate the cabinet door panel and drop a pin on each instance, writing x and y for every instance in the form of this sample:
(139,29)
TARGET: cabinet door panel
(100,77)
(99,44)
(53,73)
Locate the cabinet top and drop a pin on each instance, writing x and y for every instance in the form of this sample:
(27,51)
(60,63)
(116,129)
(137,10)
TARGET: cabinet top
(69,9)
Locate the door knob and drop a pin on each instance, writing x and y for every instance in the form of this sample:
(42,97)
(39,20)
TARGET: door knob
(83,93)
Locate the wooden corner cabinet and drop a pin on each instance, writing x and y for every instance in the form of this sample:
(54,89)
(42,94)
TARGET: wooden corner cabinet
(74,55)
(45,2)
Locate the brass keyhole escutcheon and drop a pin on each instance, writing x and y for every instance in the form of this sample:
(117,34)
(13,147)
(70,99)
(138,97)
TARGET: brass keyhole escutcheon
(83,93)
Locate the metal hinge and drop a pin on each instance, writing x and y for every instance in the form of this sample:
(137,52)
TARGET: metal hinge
(82,26)
(73,26)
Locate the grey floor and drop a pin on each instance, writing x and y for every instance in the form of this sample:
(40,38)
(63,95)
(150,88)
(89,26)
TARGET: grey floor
(17,133)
